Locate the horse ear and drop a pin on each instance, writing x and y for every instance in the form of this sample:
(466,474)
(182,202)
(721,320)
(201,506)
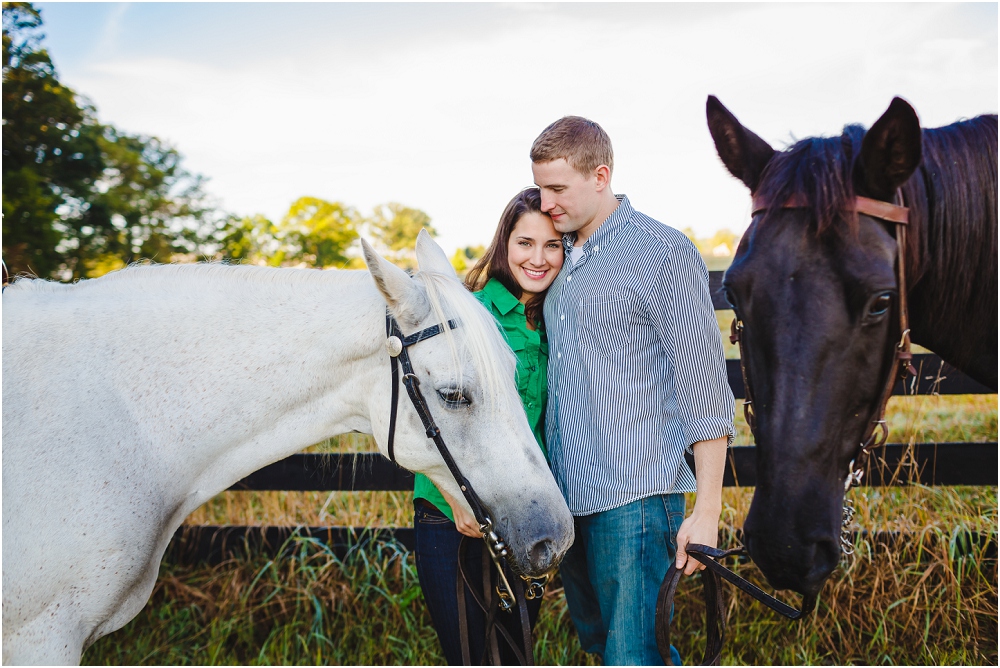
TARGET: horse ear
(890,152)
(405,298)
(431,258)
(743,153)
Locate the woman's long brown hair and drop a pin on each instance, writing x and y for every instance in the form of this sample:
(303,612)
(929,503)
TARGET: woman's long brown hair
(494,263)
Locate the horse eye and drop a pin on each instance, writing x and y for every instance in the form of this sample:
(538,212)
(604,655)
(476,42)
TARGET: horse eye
(880,305)
(453,398)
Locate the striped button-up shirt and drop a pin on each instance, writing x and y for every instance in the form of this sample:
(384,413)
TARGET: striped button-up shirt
(636,368)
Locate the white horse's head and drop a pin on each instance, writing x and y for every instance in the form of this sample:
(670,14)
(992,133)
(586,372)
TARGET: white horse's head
(467,378)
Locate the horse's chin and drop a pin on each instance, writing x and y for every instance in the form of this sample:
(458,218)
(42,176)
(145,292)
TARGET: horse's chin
(805,573)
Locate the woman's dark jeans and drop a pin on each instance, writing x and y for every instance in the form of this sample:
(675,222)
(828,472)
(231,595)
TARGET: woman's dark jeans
(437,566)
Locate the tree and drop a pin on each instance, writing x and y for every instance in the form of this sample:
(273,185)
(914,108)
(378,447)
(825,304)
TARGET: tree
(314,232)
(249,239)
(395,227)
(49,152)
(319,232)
(80,197)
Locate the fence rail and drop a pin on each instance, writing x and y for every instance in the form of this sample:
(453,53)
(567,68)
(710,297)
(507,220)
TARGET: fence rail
(895,464)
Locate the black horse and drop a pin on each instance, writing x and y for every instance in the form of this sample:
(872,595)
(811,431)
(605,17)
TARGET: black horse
(816,289)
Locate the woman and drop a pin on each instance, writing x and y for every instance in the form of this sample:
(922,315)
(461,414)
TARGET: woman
(510,280)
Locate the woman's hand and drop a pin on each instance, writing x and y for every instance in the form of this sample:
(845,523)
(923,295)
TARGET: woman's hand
(465,521)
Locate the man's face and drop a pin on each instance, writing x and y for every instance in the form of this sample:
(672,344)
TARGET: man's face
(571,199)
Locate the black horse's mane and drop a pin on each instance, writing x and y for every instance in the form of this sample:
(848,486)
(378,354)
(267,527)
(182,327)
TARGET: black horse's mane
(951,196)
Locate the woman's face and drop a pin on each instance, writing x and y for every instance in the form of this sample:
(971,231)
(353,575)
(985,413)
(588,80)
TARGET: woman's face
(535,253)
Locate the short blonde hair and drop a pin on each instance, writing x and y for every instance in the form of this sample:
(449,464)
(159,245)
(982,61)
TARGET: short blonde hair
(581,142)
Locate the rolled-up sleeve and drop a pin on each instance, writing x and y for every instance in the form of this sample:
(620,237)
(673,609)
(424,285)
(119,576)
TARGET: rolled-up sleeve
(680,308)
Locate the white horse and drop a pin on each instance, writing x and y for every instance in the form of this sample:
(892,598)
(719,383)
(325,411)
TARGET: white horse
(130,400)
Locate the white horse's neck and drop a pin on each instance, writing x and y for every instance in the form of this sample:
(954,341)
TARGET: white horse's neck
(244,365)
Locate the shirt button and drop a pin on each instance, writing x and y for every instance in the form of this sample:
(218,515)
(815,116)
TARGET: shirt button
(562,317)
(597,248)
(532,368)
(569,278)
(559,356)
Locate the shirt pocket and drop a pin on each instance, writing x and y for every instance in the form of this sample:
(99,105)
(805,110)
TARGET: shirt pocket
(608,326)
(518,343)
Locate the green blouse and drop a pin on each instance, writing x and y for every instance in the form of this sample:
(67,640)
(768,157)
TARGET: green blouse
(532,351)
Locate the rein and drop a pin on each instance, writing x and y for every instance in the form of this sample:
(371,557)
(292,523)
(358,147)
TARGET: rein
(505,599)
(874,436)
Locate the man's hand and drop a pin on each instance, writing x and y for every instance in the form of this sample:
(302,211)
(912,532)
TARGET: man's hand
(465,521)
(698,527)
(702,525)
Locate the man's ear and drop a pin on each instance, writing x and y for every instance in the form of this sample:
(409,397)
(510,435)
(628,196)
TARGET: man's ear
(406,299)
(603,176)
(431,258)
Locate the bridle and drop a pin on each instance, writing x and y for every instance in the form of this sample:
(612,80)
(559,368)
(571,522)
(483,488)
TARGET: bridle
(876,432)
(397,344)
(874,436)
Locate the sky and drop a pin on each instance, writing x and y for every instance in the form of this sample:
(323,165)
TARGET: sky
(435,105)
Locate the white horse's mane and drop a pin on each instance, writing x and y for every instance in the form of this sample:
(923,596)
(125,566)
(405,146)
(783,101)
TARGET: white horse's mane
(491,357)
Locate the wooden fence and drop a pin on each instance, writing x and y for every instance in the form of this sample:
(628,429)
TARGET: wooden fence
(928,463)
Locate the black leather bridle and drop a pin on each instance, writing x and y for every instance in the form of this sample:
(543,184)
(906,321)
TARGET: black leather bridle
(506,597)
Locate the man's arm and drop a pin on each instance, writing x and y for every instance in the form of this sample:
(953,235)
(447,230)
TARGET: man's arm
(702,525)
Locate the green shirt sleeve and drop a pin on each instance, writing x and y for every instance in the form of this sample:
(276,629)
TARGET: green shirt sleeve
(532,352)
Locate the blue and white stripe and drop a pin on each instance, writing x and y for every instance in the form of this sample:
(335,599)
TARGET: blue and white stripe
(636,368)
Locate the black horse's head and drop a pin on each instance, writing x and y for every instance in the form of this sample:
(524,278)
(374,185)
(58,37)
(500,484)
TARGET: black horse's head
(816,289)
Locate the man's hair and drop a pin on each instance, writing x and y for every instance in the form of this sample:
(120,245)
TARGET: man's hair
(582,143)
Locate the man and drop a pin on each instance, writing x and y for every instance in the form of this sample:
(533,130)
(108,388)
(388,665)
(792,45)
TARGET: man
(636,377)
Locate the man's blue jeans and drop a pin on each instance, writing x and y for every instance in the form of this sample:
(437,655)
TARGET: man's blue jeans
(612,577)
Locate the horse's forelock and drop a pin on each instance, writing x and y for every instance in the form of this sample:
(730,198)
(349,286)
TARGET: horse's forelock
(820,170)
(491,357)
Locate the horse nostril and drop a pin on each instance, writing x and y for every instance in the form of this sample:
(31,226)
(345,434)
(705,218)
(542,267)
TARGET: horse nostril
(826,556)
(542,554)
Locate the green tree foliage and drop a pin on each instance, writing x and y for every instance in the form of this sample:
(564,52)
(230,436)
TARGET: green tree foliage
(314,232)
(395,228)
(250,239)
(319,232)
(465,258)
(80,197)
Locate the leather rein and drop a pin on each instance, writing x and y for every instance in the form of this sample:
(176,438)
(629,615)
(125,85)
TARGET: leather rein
(874,436)
(502,596)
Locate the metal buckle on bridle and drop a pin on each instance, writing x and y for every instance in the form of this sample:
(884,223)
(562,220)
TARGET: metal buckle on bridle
(498,550)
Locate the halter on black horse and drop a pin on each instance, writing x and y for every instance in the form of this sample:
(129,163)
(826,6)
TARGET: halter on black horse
(506,597)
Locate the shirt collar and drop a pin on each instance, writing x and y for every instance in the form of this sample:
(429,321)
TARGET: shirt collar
(501,297)
(608,229)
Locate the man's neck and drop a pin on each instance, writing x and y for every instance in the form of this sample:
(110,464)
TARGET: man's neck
(608,207)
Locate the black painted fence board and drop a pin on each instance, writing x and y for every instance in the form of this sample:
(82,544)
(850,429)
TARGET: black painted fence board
(934,376)
(933,464)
